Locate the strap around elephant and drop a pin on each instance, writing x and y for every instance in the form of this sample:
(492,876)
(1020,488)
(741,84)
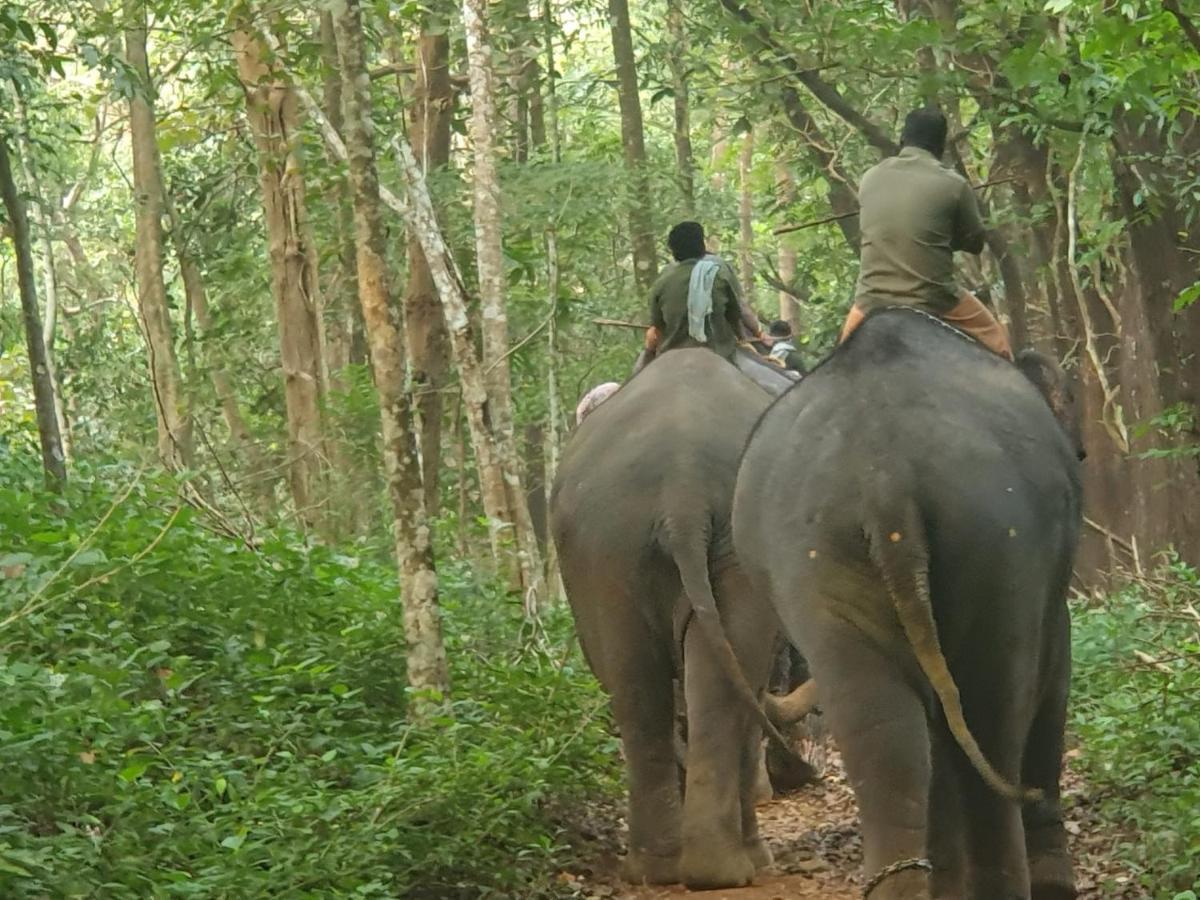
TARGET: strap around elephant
(904,865)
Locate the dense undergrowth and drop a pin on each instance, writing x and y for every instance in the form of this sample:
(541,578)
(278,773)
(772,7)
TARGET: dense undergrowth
(1136,715)
(183,716)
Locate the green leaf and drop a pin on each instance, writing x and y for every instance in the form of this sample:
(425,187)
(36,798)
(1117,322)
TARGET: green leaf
(1187,297)
(220,785)
(134,770)
(234,841)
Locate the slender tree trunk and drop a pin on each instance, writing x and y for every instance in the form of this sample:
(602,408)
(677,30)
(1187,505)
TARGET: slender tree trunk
(426,657)
(197,299)
(746,218)
(274,119)
(490,264)
(43,222)
(641,221)
(429,131)
(174,419)
(553,282)
(53,460)
(677,55)
(342,312)
(785,187)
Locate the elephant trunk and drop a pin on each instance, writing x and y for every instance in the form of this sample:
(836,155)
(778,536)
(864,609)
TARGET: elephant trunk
(792,707)
(898,547)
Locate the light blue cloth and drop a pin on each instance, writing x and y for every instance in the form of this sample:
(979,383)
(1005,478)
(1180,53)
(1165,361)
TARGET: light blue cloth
(700,288)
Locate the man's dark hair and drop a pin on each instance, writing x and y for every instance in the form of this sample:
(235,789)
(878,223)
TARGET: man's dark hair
(925,128)
(780,328)
(686,241)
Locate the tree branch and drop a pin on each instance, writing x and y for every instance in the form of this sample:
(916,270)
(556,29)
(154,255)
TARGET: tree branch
(825,93)
(1185,22)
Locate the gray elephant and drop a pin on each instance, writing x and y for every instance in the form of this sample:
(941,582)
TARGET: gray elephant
(640,516)
(911,510)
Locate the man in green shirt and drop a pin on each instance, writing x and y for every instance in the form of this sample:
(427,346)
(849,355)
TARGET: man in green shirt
(914,214)
(696,302)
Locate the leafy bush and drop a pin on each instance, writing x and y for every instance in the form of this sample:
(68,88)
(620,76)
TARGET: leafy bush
(1134,710)
(183,716)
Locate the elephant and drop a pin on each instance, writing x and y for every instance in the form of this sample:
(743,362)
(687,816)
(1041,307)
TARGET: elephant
(911,511)
(639,513)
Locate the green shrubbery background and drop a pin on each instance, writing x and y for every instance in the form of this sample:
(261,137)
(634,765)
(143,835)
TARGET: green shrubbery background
(183,716)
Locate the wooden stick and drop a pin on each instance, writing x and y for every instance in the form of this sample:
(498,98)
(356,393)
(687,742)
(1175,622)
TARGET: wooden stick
(619,323)
(788,229)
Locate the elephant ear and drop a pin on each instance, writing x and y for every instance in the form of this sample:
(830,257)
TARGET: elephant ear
(1058,390)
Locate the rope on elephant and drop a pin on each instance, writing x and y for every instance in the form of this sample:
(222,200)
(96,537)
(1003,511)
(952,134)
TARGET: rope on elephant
(904,865)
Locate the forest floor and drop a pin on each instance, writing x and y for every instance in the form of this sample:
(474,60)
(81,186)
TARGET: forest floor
(813,834)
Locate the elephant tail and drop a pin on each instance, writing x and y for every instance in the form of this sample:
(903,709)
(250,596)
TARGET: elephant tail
(897,540)
(691,558)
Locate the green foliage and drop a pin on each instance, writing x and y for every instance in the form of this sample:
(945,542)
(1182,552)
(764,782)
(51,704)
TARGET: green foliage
(1137,681)
(187,717)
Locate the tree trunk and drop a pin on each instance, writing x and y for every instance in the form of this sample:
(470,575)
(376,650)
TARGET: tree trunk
(174,419)
(53,460)
(746,218)
(426,657)
(789,309)
(677,54)
(490,265)
(641,222)
(274,119)
(343,325)
(429,131)
(197,299)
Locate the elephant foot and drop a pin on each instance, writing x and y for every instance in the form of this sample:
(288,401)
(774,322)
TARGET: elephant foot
(759,853)
(711,869)
(1051,877)
(645,868)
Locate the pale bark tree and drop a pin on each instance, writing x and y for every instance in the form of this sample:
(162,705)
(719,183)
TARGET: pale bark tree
(641,222)
(418,214)
(785,187)
(272,110)
(53,460)
(425,327)
(555,588)
(174,418)
(426,653)
(677,54)
(342,315)
(746,217)
(490,266)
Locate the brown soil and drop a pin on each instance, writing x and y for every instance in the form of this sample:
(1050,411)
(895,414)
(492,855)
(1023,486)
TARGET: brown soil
(813,835)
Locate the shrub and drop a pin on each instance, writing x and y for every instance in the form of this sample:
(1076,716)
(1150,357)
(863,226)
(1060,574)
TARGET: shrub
(184,716)
(1134,710)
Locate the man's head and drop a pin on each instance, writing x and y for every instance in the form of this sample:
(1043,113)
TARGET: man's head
(686,241)
(925,128)
(780,328)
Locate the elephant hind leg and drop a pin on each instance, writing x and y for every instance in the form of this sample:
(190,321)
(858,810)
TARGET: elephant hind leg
(1051,874)
(947,820)
(644,707)
(714,855)
(878,720)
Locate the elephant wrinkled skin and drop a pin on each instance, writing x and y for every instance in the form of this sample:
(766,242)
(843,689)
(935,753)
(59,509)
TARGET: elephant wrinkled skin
(640,515)
(913,505)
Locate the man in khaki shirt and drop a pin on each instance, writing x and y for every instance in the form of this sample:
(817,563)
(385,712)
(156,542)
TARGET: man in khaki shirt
(914,214)
(728,317)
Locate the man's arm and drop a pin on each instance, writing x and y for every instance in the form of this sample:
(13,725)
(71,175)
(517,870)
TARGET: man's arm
(745,315)
(969,233)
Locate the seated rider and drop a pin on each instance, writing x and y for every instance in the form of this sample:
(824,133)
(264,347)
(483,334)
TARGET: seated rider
(696,302)
(914,214)
(784,351)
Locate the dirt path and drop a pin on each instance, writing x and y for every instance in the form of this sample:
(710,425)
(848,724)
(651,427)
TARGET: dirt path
(813,835)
